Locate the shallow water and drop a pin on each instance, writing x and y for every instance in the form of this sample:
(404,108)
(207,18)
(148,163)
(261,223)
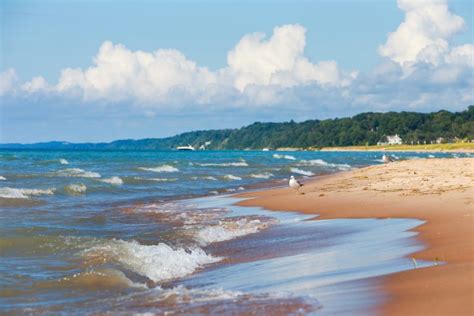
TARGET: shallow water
(137,231)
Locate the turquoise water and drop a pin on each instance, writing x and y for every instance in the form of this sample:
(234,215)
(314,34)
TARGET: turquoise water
(94,231)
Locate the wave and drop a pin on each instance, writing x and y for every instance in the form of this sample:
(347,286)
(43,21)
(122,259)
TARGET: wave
(77,172)
(157,262)
(233,227)
(302,172)
(320,162)
(180,214)
(2,178)
(164,168)
(265,175)
(12,193)
(231,177)
(278,156)
(113,180)
(63,161)
(205,178)
(242,163)
(75,189)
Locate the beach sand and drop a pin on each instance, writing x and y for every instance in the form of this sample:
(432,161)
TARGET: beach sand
(438,191)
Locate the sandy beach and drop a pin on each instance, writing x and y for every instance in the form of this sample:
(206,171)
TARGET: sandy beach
(437,191)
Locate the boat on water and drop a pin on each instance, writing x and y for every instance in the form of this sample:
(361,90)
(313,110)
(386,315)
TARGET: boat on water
(186,148)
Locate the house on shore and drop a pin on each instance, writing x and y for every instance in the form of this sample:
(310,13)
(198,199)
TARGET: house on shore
(390,140)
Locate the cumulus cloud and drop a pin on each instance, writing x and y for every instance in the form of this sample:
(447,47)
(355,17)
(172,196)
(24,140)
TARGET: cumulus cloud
(419,69)
(8,81)
(257,68)
(424,34)
(279,61)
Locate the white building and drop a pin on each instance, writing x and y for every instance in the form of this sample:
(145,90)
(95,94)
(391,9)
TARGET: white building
(391,140)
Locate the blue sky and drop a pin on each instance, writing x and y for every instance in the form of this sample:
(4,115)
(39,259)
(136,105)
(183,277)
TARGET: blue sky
(314,59)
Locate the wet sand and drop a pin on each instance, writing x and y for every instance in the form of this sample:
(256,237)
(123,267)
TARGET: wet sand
(438,191)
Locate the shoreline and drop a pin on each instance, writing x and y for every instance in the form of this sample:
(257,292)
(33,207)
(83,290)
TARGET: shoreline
(437,191)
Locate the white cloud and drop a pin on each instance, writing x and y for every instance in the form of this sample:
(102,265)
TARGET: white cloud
(8,81)
(424,34)
(166,76)
(419,70)
(37,84)
(279,61)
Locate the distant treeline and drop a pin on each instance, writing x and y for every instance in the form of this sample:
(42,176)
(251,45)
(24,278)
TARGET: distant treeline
(362,129)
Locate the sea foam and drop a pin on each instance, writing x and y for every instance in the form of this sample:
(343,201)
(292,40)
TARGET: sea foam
(113,180)
(12,193)
(265,175)
(77,172)
(2,178)
(231,177)
(231,228)
(164,168)
(75,189)
(320,162)
(157,262)
(279,156)
(302,172)
(242,163)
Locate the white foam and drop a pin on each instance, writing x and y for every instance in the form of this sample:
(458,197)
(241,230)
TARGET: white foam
(157,262)
(77,188)
(265,175)
(63,161)
(2,178)
(113,180)
(242,163)
(13,193)
(211,178)
(231,228)
(431,156)
(77,172)
(320,162)
(163,179)
(303,172)
(164,168)
(231,177)
(278,156)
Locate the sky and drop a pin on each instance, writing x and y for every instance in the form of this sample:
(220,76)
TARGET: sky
(93,71)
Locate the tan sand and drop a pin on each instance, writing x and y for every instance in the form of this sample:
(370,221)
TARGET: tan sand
(438,191)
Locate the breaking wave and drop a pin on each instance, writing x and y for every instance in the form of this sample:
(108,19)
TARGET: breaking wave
(77,172)
(233,227)
(231,177)
(63,161)
(164,168)
(113,180)
(2,178)
(157,262)
(265,175)
(302,172)
(242,163)
(279,156)
(320,162)
(12,193)
(75,189)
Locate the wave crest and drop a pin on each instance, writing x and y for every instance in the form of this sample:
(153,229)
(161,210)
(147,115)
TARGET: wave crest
(164,168)
(13,193)
(157,262)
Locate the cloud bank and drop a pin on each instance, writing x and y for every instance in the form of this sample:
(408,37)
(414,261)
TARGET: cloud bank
(419,68)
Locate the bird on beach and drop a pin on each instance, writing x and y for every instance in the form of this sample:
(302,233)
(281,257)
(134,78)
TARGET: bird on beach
(387,159)
(295,184)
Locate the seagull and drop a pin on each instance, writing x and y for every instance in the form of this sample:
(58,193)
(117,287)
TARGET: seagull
(294,184)
(387,159)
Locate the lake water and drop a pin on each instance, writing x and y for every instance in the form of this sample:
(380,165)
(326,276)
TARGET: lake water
(138,232)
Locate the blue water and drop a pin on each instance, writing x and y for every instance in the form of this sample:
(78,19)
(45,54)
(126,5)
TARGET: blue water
(111,230)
